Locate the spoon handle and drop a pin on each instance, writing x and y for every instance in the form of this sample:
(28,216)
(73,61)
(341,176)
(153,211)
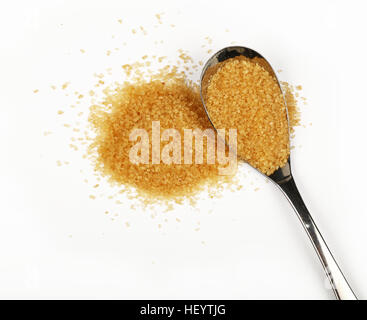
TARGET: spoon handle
(339,284)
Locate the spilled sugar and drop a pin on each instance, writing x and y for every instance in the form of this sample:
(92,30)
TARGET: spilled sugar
(142,96)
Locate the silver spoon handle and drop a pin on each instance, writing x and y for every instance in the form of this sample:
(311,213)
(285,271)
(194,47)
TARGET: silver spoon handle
(338,283)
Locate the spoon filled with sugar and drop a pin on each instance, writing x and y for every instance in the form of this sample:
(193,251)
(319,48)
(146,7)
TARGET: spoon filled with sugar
(240,90)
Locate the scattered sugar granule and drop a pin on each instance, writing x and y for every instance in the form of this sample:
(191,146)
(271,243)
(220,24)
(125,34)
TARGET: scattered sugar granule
(158,16)
(143,30)
(99,75)
(209,40)
(160,59)
(60,112)
(73,146)
(65,85)
(82,50)
(92,197)
(35,90)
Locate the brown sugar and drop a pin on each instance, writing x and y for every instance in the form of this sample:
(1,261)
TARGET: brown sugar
(146,95)
(243,95)
(168,98)
(294,115)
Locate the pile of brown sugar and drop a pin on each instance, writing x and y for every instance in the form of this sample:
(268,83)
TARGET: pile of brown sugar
(167,98)
(241,94)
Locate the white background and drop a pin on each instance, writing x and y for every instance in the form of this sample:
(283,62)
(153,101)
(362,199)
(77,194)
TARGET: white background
(55,242)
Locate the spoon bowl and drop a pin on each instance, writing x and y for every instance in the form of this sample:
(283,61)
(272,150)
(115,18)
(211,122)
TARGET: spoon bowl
(283,177)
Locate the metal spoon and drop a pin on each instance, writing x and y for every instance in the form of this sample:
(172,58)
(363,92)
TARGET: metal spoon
(284,180)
